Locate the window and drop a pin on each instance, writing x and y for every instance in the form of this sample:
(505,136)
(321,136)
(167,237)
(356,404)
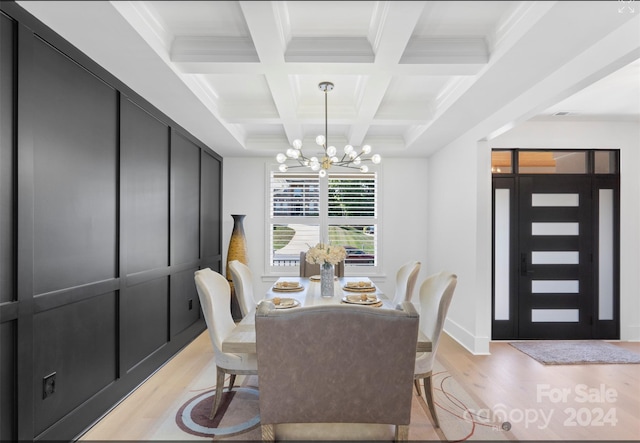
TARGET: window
(302,206)
(552,162)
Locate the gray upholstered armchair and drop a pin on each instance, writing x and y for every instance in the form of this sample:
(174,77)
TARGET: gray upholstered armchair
(336,364)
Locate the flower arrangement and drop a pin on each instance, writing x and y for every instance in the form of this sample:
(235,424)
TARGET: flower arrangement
(326,254)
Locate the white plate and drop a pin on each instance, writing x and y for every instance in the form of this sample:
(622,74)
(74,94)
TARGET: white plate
(355,288)
(286,303)
(287,286)
(355,299)
(317,278)
(359,284)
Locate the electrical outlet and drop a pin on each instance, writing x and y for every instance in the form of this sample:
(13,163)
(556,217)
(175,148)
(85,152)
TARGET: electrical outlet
(190,304)
(48,385)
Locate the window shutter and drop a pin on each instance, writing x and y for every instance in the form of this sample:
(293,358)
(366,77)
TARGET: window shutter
(353,216)
(296,220)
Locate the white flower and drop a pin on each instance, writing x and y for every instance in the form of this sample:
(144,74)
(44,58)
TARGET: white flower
(321,254)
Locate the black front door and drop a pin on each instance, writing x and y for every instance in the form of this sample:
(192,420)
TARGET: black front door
(555,245)
(556,237)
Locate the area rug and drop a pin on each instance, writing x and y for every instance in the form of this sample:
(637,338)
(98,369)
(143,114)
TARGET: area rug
(576,352)
(238,418)
(238,415)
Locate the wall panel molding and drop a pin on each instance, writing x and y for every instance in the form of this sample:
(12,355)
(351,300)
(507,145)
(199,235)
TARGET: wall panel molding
(117,206)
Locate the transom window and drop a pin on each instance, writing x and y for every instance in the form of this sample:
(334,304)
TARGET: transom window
(304,209)
(547,161)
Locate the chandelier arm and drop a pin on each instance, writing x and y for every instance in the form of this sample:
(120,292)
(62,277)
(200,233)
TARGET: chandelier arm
(298,166)
(346,166)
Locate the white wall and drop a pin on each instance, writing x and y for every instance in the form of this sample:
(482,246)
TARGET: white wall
(459,184)
(459,237)
(403,212)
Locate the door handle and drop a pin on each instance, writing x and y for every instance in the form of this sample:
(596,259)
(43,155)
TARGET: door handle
(523,265)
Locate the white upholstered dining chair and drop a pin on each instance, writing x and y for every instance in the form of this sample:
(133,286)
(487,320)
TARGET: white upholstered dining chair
(334,366)
(242,279)
(406,281)
(215,298)
(436,293)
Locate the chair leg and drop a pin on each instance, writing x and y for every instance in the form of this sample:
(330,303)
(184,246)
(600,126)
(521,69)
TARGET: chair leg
(232,380)
(428,390)
(402,433)
(416,381)
(219,388)
(268,433)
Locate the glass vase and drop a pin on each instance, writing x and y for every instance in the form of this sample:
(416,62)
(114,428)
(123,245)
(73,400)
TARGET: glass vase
(326,280)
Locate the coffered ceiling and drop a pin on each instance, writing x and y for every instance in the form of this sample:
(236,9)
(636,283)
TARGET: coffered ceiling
(409,77)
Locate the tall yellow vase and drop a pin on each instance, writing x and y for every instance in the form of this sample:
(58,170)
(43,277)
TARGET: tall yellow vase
(237,251)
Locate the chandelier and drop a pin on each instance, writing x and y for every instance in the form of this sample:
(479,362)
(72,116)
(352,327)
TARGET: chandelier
(351,158)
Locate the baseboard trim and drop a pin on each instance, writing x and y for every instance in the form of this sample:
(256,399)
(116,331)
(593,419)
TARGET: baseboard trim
(630,333)
(475,345)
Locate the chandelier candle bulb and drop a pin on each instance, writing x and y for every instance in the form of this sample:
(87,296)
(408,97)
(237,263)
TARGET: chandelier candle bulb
(351,158)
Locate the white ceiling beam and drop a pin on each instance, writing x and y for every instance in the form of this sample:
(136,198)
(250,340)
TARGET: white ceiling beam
(266,29)
(329,50)
(393,32)
(213,49)
(265,143)
(430,50)
(195,66)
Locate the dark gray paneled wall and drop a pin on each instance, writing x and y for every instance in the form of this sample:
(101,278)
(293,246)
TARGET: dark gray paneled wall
(211,222)
(108,208)
(185,189)
(7,158)
(75,173)
(8,305)
(145,189)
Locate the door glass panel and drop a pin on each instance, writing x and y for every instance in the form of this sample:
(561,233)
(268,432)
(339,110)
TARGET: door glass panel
(556,200)
(555,286)
(501,248)
(605,255)
(555,257)
(542,228)
(501,162)
(605,162)
(552,162)
(554,315)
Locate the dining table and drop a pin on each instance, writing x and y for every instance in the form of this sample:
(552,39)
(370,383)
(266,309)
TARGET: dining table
(291,292)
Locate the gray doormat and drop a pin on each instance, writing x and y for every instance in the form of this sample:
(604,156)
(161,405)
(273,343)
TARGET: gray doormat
(576,352)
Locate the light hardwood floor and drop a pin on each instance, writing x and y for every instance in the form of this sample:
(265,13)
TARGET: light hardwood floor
(560,402)
(541,402)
